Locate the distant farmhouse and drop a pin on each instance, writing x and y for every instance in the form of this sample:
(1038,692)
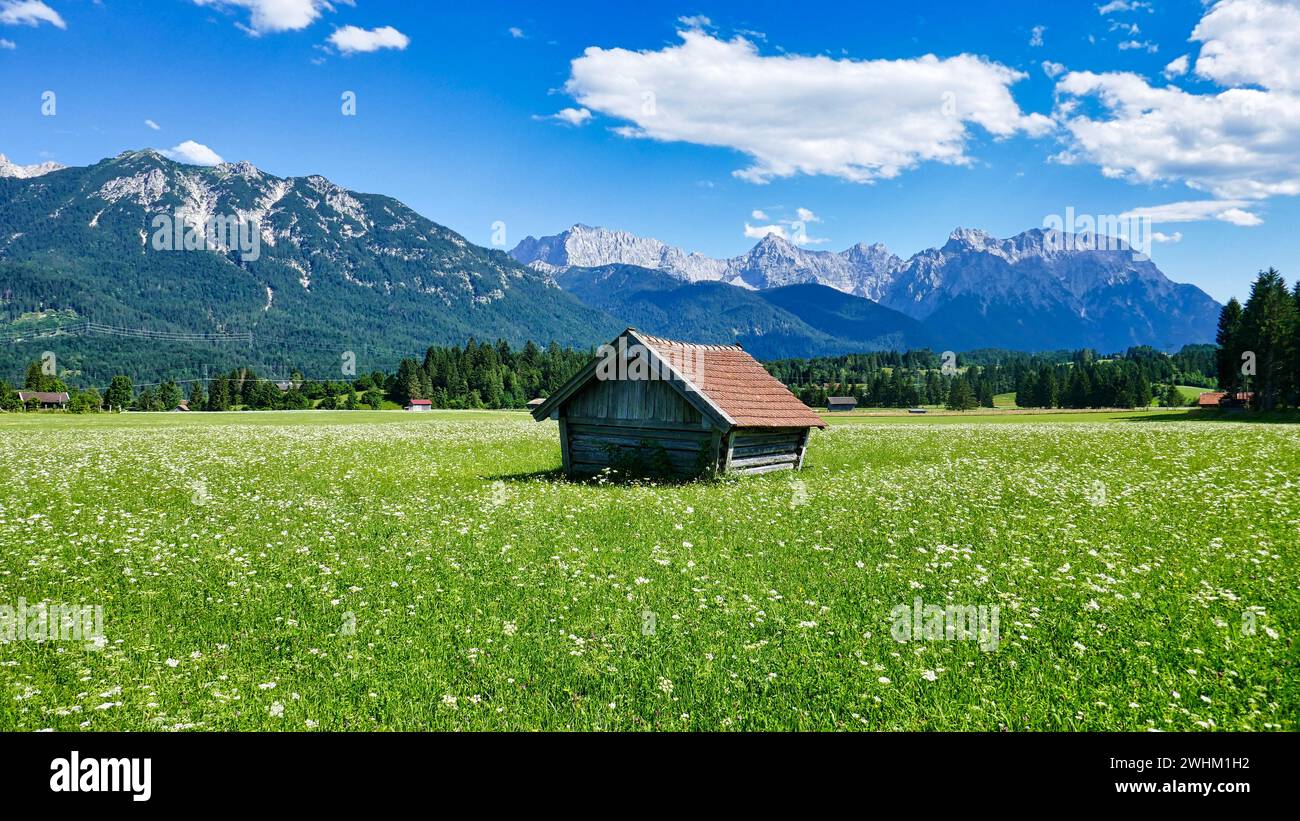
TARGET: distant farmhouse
(45,400)
(533,403)
(841,403)
(419,405)
(650,406)
(1220,399)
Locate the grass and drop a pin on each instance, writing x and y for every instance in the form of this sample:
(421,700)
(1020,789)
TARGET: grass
(357,571)
(1191,393)
(1020,416)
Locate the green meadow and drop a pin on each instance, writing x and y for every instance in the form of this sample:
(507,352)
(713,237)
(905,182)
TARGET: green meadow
(351,570)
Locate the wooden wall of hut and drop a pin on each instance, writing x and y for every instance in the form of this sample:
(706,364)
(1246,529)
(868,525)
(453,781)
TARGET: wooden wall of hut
(639,427)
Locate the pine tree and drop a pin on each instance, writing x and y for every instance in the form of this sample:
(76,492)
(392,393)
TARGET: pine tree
(1173,398)
(35,379)
(219,395)
(1267,330)
(960,396)
(1228,357)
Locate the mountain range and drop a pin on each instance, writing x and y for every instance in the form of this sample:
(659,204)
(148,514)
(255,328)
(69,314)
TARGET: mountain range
(1040,289)
(797,320)
(336,270)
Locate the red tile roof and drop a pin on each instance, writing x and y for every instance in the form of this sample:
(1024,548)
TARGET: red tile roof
(1213,398)
(420,402)
(46,397)
(736,383)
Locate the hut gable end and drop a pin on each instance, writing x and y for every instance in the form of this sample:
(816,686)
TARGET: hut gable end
(642,400)
(655,406)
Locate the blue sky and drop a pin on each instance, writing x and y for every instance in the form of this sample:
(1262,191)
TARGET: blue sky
(758,110)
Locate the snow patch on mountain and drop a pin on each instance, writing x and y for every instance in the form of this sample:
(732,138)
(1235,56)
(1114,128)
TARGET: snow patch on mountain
(10,169)
(585,246)
(772,263)
(144,188)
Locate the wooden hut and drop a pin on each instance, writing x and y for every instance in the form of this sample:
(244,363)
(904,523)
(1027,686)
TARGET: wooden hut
(650,406)
(841,403)
(45,400)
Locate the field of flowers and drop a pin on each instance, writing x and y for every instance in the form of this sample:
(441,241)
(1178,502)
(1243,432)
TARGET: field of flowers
(387,571)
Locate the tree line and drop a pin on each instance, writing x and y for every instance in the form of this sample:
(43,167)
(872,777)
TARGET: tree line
(479,375)
(1259,344)
(1257,351)
(1060,379)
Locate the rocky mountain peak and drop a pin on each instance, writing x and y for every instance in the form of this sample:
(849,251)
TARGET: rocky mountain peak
(10,169)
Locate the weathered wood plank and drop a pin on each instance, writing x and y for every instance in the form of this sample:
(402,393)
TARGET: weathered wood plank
(803,448)
(758,435)
(622,436)
(715,451)
(638,457)
(754,471)
(675,432)
(565,459)
(743,451)
(644,424)
(599,446)
(642,400)
(758,461)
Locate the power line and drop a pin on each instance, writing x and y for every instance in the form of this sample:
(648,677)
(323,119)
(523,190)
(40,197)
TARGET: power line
(89,327)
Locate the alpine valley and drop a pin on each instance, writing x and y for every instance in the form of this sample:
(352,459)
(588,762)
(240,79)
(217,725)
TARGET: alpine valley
(341,271)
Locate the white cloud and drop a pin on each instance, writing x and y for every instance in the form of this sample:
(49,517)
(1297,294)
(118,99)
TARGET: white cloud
(792,230)
(1229,211)
(1139,45)
(1036,35)
(270,16)
(1250,42)
(569,116)
(193,153)
(1158,236)
(7,44)
(859,120)
(1239,143)
(1053,70)
(760,231)
(354,40)
(152,125)
(516,32)
(1123,5)
(695,21)
(29,13)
